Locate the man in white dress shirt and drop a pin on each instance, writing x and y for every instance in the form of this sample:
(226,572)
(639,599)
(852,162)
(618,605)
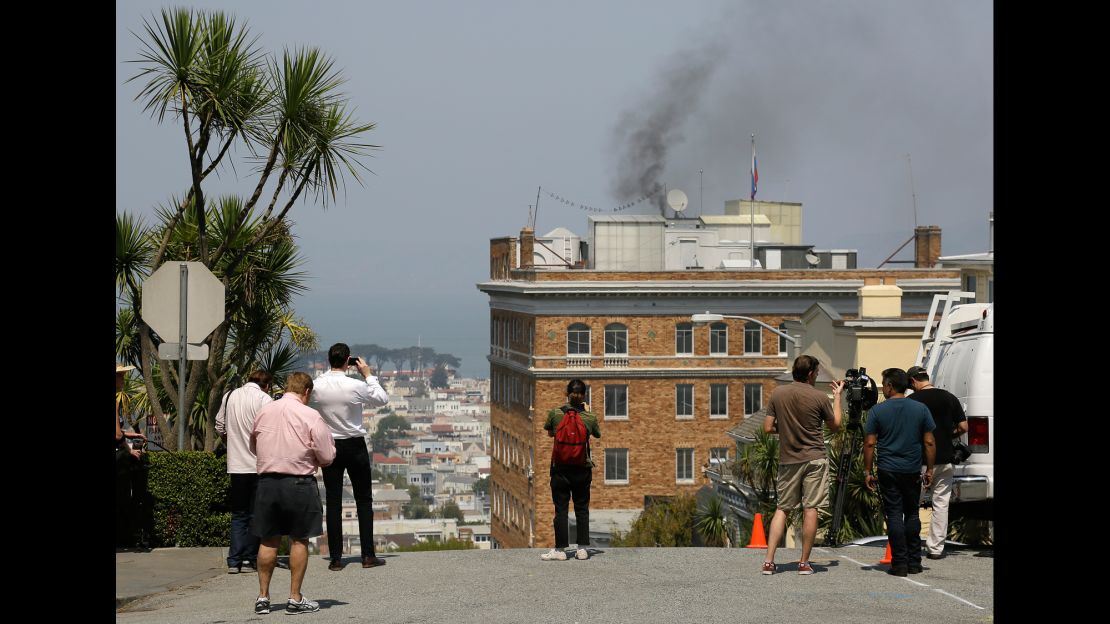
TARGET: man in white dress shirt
(340,400)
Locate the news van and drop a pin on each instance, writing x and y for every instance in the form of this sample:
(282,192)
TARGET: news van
(958,354)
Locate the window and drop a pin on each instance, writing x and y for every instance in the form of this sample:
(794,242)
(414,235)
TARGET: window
(684,464)
(718,401)
(684,339)
(616,339)
(616,465)
(753,398)
(578,339)
(990,290)
(684,400)
(718,339)
(971,284)
(782,341)
(616,402)
(718,455)
(753,338)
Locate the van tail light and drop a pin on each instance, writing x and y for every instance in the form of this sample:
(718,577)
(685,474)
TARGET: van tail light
(978,434)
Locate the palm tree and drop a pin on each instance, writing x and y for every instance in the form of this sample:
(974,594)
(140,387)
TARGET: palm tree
(711,524)
(206,72)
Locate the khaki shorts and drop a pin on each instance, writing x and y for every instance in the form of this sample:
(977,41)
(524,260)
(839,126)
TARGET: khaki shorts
(806,484)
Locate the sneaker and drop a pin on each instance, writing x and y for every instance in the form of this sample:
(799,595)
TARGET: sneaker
(261,606)
(804,568)
(898,570)
(232,569)
(555,554)
(915,568)
(582,554)
(247,567)
(304,605)
(768,567)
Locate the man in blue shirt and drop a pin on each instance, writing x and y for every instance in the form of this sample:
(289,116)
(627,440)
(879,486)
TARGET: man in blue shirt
(902,429)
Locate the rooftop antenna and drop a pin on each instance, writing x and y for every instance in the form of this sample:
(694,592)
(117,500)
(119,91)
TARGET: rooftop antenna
(677,201)
(536,213)
(913,194)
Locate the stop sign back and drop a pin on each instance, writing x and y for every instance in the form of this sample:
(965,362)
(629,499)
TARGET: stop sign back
(161,305)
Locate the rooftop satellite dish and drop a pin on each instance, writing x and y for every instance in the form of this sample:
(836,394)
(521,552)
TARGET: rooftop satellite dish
(812,260)
(677,200)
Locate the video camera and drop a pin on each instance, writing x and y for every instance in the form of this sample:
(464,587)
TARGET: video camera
(861,393)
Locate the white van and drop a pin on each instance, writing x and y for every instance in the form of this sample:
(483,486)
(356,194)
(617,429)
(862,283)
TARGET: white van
(959,357)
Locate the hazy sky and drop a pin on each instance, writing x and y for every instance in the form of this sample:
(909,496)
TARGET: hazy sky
(478,103)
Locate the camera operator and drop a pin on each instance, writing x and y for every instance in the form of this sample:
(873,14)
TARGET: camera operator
(951,421)
(796,412)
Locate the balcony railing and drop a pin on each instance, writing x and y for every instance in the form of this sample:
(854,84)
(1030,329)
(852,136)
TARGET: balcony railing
(616,361)
(578,361)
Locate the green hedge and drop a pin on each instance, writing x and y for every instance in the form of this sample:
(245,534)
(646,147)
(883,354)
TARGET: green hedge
(190,493)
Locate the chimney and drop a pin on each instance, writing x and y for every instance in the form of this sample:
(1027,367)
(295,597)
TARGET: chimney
(880,301)
(527,242)
(926,246)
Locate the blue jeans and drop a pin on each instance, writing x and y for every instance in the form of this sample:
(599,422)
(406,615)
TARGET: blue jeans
(901,493)
(244,544)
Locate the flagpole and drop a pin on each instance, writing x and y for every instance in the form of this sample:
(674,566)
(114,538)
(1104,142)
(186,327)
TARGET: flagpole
(752,200)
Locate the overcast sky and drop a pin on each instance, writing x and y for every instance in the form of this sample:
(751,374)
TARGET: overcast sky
(478,103)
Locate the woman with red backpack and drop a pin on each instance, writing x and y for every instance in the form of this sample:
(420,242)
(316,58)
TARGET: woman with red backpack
(571,469)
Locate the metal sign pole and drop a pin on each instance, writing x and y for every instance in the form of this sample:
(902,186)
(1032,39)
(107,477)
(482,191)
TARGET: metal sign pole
(182,342)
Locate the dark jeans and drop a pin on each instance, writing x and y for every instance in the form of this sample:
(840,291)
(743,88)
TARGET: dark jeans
(350,455)
(134,508)
(901,492)
(244,544)
(569,482)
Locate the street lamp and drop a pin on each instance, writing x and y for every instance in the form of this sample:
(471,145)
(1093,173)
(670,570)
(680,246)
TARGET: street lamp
(709,317)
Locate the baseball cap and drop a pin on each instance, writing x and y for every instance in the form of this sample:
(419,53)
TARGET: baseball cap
(914,371)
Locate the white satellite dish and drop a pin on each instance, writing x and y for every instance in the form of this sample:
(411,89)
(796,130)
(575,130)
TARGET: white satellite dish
(677,200)
(812,260)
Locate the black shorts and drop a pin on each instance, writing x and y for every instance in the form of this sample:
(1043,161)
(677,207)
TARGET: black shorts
(287,505)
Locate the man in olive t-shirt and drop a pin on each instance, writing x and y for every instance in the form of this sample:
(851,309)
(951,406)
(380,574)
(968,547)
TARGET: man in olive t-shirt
(797,412)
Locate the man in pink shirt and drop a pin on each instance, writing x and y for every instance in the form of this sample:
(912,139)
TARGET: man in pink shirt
(290,441)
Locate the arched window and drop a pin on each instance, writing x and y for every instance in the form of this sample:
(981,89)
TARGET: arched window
(578,339)
(616,339)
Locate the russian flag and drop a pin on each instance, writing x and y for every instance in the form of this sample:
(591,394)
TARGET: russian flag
(755,172)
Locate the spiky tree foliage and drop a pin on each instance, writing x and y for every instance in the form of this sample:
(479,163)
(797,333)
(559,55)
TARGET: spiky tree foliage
(710,522)
(204,71)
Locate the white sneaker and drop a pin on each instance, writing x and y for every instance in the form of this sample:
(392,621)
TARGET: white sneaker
(582,554)
(555,554)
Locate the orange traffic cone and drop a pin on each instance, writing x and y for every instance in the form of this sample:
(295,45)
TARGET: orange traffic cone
(886,557)
(759,540)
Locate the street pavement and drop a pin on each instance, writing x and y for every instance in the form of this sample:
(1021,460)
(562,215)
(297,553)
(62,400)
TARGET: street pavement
(635,585)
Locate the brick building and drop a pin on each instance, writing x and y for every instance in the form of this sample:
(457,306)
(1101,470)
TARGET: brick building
(666,391)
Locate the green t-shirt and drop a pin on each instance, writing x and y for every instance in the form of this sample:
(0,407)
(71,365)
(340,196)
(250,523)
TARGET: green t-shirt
(555,416)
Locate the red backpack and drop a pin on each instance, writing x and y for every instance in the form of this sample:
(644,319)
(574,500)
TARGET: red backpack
(571,440)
